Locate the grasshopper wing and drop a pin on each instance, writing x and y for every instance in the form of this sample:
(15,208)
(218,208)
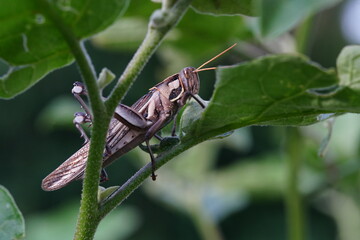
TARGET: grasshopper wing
(70,170)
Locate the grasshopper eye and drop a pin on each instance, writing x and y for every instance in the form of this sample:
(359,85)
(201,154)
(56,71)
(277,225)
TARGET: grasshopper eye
(187,74)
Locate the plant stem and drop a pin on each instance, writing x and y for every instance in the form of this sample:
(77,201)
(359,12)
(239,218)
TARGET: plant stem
(294,205)
(88,215)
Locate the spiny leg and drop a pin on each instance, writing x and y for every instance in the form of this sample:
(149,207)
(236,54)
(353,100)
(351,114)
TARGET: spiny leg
(77,90)
(153,176)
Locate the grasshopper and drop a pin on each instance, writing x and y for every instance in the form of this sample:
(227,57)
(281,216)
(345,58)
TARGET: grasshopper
(131,126)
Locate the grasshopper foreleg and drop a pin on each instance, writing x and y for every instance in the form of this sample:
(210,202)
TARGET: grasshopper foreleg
(198,100)
(77,91)
(80,117)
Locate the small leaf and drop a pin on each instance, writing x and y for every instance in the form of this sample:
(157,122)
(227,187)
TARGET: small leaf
(31,44)
(348,65)
(279,16)
(12,225)
(223,7)
(105,78)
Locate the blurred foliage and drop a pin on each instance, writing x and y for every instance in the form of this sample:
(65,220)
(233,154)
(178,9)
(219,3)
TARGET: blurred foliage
(234,187)
(60,223)
(279,16)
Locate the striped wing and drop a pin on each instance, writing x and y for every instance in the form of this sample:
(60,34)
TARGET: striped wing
(68,171)
(73,168)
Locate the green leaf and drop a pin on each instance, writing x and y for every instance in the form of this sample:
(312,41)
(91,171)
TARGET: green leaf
(31,43)
(191,115)
(348,65)
(279,16)
(12,225)
(223,7)
(105,78)
(274,90)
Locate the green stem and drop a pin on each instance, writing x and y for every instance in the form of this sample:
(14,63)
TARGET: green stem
(88,215)
(294,203)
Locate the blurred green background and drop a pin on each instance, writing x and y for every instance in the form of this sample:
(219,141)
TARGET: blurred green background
(233,188)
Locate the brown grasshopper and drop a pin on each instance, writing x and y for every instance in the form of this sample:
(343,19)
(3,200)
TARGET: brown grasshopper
(131,126)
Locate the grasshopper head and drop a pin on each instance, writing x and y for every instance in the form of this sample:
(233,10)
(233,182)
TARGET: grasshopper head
(190,80)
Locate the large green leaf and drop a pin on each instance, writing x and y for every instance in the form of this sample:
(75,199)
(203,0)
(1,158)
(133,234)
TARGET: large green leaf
(224,7)
(278,90)
(278,16)
(12,224)
(32,45)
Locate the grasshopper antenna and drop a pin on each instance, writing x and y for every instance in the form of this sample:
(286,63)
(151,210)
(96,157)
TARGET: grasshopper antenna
(212,59)
(206,69)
